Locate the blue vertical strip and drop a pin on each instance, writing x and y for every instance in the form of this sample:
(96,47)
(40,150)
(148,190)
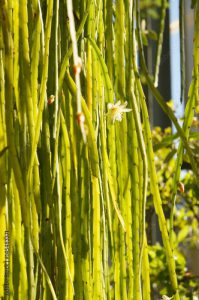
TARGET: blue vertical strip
(175,58)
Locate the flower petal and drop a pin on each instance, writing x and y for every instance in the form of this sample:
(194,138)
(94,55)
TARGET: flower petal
(124,104)
(110,105)
(126,109)
(115,111)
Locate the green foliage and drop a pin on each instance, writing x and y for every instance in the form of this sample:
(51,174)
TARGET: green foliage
(186,217)
(76,155)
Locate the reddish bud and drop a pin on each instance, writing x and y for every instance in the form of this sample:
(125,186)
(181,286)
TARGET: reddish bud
(181,187)
(80,118)
(51,99)
(78,66)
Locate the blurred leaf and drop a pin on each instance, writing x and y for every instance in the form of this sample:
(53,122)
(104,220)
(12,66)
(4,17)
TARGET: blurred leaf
(194,135)
(193,3)
(144,39)
(153,13)
(170,156)
(165,142)
(152,35)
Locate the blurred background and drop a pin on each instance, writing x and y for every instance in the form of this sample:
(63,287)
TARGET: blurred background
(170,87)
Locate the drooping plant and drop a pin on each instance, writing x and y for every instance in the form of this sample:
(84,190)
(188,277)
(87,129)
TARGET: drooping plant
(76,153)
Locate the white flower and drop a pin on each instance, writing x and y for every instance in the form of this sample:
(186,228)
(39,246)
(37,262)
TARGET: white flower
(115,111)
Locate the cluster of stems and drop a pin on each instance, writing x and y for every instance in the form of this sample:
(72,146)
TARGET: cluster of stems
(73,183)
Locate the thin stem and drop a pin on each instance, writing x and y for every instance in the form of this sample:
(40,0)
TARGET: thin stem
(182,50)
(77,67)
(160,41)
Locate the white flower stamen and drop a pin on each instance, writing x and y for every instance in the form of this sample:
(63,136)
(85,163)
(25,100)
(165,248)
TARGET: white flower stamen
(115,111)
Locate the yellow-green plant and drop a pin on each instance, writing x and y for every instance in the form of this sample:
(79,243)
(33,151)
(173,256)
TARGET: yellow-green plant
(76,153)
